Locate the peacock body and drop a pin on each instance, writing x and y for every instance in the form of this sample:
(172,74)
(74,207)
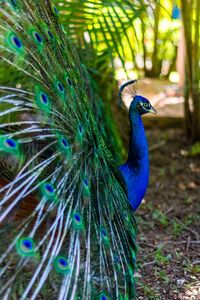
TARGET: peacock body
(67,228)
(136,169)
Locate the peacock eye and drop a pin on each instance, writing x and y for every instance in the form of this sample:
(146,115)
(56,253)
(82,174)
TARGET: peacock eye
(145,104)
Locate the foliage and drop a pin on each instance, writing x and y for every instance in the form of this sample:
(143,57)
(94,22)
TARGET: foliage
(191,22)
(102,26)
(138,32)
(158,38)
(99,30)
(195,150)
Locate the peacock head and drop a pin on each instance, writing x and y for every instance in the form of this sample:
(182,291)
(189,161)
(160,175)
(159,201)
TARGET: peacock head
(141,105)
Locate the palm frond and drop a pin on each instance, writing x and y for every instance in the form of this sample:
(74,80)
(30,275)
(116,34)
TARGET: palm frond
(101,25)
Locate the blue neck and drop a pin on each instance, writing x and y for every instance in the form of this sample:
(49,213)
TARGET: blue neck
(136,170)
(138,146)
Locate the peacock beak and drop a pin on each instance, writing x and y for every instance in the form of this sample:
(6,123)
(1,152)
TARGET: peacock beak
(153,110)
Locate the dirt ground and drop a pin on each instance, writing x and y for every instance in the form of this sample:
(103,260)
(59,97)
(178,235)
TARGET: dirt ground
(169,221)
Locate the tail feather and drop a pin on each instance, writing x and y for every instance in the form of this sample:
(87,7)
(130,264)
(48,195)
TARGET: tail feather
(69,229)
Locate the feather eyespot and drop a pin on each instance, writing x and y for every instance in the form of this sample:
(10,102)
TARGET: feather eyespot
(17,42)
(44,98)
(49,188)
(103,232)
(10,143)
(104,236)
(48,191)
(61,265)
(80,133)
(25,246)
(61,45)
(126,217)
(77,221)
(117,262)
(62,262)
(80,128)
(50,34)
(103,297)
(38,37)
(69,82)
(14,2)
(85,182)
(56,10)
(65,147)
(77,217)
(86,188)
(64,142)
(116,259)
(60,87)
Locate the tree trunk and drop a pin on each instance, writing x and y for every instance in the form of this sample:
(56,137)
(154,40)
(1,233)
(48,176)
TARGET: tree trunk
(143,29)
(191,22)
(196,77)
(156,65)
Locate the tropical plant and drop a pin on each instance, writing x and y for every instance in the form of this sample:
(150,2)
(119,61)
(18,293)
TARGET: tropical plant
(191,23)
(158,38)
(124,31)
(102,26)
(100,32)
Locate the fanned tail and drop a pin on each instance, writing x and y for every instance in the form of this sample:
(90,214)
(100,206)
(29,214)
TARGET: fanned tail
(67,230)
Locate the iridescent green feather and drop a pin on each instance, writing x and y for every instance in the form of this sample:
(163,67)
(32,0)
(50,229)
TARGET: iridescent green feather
(64,201)
(9,145)
(42,100)
(15,44)
(48,192)
(77,220)
(26,247)
(61,265)
(65,148)
(36,37)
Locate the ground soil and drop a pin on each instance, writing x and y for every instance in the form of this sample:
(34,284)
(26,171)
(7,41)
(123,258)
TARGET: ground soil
(169,221)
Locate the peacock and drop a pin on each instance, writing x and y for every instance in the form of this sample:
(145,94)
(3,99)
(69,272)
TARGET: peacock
(66,209)
(136,169)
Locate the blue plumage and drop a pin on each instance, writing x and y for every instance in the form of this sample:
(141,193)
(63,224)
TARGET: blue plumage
(136,169)
(17,42)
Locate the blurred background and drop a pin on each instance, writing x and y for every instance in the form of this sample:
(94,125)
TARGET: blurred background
(158,43)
